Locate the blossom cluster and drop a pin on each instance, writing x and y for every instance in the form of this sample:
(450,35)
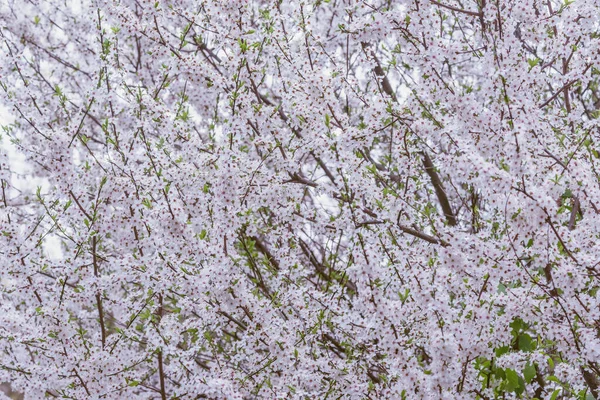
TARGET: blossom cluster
(311,199)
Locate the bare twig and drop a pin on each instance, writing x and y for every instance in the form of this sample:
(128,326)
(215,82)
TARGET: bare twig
(80,207)
(87,110)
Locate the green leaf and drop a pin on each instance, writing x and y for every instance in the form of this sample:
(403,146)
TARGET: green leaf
(512,380)
(501,288)
(533,62)
(525,342)
(243,45)
(529,373)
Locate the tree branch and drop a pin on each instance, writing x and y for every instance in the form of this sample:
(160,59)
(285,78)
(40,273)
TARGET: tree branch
(439,189)
(421,235)
(459,10)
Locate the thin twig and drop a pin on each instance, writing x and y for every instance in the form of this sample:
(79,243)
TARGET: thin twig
(80,207)
(87,110)
(555,95)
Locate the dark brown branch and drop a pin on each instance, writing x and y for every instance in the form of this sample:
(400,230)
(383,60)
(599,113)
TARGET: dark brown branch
(306,38)
(421,235)
(558,93)
(31,123)
(385,82)
(550,155)
(260,246)
(321,269)
(55,278)
(101,316)
(87,110)
(80,207)
(98,298)
(94,256)
(3,183)
(161,374)
(574,212)
(549,220)
(323,167)
(55,57)
(439,189)
(460,10)
(592,382)
(297,178)
(242,325)
(371,222)
(82,382)
(259,280)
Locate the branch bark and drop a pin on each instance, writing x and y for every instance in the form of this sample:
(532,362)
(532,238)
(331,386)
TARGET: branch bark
(98,297)
(424,236)
(459,10)
(439,189)
(592,382)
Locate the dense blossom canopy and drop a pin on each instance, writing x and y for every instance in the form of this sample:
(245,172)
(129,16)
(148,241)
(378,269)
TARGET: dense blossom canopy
(309,199)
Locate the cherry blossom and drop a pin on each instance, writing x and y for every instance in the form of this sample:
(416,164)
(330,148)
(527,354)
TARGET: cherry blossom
(300,199)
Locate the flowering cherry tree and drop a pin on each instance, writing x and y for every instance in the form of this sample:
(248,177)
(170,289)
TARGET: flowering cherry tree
(309,199)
